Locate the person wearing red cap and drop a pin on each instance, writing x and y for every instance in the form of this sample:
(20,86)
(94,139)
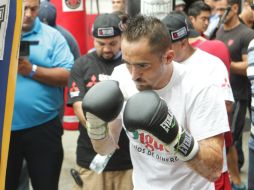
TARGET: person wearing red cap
(236,36)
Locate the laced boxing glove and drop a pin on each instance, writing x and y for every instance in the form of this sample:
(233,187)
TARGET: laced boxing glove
(148,112)
(101,104)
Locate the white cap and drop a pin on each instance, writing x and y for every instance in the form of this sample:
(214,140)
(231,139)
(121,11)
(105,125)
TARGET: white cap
(179,2)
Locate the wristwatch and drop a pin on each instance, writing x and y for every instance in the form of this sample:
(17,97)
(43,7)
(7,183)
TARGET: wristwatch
(34,68)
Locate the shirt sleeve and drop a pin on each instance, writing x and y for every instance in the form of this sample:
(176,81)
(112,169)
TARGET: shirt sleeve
(62,56)
(208,115)
(76,88)
(249,35)
(223,81)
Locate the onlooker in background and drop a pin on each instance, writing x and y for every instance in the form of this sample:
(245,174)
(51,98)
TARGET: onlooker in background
(237,37)
(213,20)
(36,134)
(179,5)
(220,50)
(247,14)
(199,14)
(196,59)
(210,3)
(48,15)
(86,72)
(119,5)
(250,74)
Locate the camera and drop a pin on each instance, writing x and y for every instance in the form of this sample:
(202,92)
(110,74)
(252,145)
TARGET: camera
(24,49)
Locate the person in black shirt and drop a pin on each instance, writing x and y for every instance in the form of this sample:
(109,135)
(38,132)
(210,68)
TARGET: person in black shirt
(237,37)
(87,71)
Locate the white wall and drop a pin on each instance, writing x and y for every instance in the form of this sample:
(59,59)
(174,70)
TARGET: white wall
(105,6)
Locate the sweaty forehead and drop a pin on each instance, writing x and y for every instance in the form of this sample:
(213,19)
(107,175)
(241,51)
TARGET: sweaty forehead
(139,48)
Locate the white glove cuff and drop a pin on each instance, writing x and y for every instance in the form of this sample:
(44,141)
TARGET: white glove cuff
(186,147)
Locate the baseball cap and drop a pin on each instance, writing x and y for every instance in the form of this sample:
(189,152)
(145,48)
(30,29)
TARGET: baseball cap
(179,2)
(179,26)
(47,13)
(106,25)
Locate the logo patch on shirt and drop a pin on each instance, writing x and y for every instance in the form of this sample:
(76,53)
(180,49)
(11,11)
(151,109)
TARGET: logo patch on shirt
(230,42)
(74,90)
(104,32)
(103,77)
(225,84)
(93,81)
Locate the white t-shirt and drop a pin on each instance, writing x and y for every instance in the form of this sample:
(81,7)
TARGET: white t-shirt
(207,65)
(198,107)
(212,67)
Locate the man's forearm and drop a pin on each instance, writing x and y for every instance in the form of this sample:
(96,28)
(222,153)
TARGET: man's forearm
(52,76)
(104,146)
(110,143)
(209,160)
(239,68)
(77,107)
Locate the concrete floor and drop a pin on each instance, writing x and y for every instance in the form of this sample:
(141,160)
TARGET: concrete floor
(69,143)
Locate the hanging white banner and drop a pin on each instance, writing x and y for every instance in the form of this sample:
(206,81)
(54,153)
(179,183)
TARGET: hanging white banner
(4,12)
(156,8)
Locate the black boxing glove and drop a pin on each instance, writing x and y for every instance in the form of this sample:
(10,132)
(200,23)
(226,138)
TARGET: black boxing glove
(101,104)
(148,112)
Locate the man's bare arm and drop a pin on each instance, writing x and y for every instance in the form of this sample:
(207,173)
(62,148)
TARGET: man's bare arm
(50,76)
(209,160)
(240,67)
(110,143)
(77,107)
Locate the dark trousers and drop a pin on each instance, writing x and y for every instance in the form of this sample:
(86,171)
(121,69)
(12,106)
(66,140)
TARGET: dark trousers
(238,122)
(24,177)
(41,147)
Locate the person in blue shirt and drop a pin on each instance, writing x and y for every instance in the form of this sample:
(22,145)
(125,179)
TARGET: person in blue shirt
(36,128)
(48,14)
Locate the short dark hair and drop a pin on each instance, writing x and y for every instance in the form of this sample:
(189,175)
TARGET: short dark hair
(197,7)
(153,29)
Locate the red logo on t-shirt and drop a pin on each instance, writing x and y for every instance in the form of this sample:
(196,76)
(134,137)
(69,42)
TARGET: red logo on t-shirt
(149,142)
(93,81)
(225,84)
(74,87)
(230,42)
